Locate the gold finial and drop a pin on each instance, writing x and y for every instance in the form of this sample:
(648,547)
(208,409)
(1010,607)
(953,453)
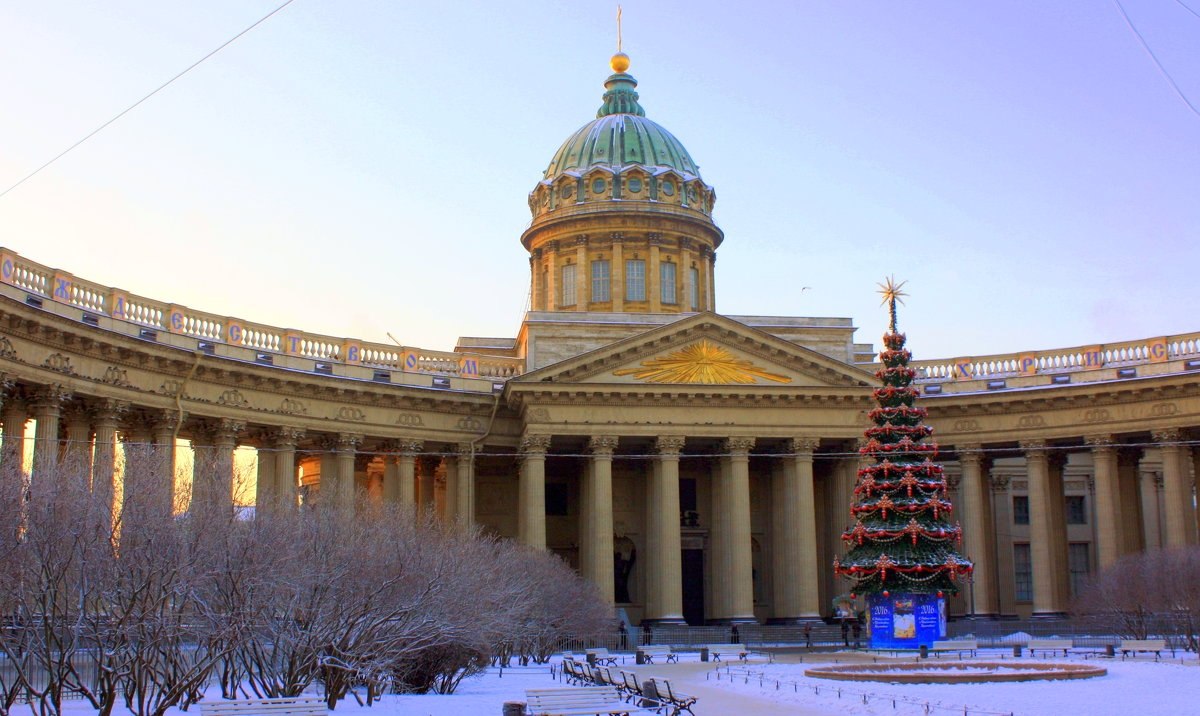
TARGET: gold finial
(619,61)
(892,294)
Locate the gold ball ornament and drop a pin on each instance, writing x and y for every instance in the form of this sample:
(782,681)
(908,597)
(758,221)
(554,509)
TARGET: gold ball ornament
(619,62)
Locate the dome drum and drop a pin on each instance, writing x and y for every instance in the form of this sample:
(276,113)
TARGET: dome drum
(625,178)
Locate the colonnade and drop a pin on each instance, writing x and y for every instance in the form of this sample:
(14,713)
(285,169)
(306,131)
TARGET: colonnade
(1142,497)
(794,521)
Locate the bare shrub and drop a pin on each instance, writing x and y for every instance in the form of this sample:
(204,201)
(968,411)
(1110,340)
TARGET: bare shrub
(1147,594)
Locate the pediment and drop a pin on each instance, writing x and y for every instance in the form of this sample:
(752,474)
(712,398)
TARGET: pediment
(703,350)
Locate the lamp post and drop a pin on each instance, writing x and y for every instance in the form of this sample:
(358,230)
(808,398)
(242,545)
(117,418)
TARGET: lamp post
(971,584)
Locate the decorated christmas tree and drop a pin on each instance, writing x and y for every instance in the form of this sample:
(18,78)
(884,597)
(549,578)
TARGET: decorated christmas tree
(902,554)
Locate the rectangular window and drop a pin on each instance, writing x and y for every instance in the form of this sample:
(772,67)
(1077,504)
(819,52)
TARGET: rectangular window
(600,278)
(1020,509)
(1023,572)
(635,280)
(1076,510)
(694,289)
(666,279)
(1079,562)
(568,285)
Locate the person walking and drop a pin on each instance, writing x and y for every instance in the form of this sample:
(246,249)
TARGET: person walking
(845,632)
(808,635)
(857,634)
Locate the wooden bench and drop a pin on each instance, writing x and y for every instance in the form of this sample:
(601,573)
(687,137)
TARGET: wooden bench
(959,645)
(677,702)
(580,701)
(649,652)
(1136,645)
(602,656)
(739,649)
(1051,645)
(286,706)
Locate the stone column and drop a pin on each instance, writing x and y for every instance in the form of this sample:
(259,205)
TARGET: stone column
(1179,514)
(1002,515)
(665,577)
(1131,520)
(1108,500)
(265,498)
(653,283)
(450,489)
(1042,529)
(106,416)
(794,555)
(165,427)
(287,489)
(428,465)
(733,579)
(406,473)
(47,408)
(1149,485)
(347,450)
(597,519)
(225,434)
(465,484)
(583,275)
(975,494)
(617,275)
(531,515)
(78,452)
(12,455)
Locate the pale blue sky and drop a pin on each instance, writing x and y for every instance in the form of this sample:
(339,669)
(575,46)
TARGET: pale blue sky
(359,167)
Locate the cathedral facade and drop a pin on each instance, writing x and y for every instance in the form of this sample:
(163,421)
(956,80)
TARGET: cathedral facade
(697,467)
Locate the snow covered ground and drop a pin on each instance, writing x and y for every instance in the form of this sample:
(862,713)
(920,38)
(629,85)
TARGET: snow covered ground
(1135,687)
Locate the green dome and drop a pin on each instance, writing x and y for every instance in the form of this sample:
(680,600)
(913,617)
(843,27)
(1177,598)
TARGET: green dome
(621,135)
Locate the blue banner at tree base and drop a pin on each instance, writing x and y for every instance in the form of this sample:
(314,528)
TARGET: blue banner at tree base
(904,620)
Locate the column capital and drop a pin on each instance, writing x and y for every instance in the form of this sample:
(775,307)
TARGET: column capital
(803,445)
(1037,446)
(109,412)
(1099,443)
(169,420)
(972,454)
(224,430)
(49,399)
(953,480)
(348,442)
(602,445)
(287,437)
(535,444)
(738,445)
(465,449)
(999,483)
(669,445)
(1167,435)
(410,447)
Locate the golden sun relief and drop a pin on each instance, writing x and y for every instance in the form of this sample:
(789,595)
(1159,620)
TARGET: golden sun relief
(701,362)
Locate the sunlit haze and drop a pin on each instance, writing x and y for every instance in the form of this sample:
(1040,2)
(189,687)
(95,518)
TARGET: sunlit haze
(359,168)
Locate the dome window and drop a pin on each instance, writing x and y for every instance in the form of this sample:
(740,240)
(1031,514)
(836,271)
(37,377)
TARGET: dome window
(669,188)
(598,186)
(635,185)
(567,190)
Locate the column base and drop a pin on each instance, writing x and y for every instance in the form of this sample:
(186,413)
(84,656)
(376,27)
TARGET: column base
(795,621)
(664,621)
(729,621)
(977,617)
(1048,615)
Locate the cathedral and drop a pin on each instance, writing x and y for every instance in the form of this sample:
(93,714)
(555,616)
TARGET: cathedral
(697,467)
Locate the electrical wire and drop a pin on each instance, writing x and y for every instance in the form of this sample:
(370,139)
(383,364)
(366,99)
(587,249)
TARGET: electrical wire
(1185,7)
(133,106)
(1161,68)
